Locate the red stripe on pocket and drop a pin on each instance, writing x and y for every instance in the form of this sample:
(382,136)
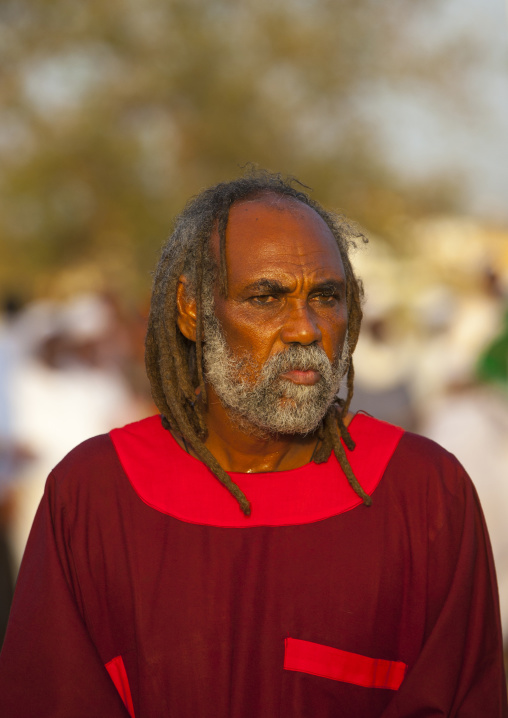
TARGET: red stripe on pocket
(338,665)
(118,675)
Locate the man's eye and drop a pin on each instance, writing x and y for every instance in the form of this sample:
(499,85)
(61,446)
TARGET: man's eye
(326,298)
(263,299)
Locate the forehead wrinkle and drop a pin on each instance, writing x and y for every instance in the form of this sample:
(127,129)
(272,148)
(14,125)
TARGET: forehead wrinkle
(299,255)
(275,264)
(312,261)
(274,261)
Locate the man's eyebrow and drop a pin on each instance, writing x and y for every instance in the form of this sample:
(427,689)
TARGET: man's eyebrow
(274,286)
(270,286)
(329,285)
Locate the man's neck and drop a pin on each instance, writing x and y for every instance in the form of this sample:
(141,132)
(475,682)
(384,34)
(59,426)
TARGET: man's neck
(237,446)
(238,450)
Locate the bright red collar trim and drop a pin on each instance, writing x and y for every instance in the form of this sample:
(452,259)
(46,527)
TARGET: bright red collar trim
(166,478)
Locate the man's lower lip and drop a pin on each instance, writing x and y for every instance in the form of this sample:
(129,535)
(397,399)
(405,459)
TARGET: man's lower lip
(308,377)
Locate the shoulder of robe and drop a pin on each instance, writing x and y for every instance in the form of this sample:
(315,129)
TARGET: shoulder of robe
(92,462)
(432,467)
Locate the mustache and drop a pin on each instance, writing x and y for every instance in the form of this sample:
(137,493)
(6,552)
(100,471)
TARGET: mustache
(299,358)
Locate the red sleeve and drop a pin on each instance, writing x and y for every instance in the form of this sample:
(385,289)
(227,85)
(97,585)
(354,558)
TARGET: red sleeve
(459,672)
(49,667)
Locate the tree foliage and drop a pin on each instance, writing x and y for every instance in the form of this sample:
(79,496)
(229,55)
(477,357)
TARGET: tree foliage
(113,114)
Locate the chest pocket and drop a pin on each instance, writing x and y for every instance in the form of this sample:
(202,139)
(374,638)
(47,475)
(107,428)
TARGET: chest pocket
(328,662)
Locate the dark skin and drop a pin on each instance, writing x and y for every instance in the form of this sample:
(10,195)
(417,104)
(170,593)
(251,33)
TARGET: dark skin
(286,285)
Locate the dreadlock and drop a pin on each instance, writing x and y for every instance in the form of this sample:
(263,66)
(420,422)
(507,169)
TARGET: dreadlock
(175,364)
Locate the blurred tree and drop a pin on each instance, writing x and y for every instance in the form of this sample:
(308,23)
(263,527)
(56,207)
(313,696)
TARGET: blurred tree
(113,114)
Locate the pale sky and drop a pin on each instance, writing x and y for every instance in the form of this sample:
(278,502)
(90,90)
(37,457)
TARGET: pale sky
(422,134)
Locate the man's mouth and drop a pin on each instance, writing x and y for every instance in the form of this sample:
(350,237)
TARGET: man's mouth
(308,377)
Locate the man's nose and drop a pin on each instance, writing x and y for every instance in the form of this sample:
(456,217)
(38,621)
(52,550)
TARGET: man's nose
(300,325)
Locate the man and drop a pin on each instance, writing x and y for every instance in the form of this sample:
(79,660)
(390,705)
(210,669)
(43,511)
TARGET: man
(255,550)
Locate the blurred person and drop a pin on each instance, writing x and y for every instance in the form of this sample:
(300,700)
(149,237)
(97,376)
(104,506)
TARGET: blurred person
(255,549)
(12,350)
(457,326)
(470,419)
(383,362)
(13,454)
(493,363)
(63,394)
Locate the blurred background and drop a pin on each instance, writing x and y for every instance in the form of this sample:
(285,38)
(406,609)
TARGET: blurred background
(114,114)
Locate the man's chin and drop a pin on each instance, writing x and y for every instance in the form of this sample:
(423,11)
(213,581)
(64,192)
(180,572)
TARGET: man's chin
(289,420)
(266,428)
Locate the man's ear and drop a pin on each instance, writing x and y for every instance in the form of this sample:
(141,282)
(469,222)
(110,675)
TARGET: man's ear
(186,308)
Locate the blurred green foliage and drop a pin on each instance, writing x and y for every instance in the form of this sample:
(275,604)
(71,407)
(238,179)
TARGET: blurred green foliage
(114,113)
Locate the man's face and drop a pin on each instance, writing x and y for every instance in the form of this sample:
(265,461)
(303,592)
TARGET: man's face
(274,346)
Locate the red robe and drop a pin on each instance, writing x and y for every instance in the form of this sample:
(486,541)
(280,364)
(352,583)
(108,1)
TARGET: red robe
(145,591)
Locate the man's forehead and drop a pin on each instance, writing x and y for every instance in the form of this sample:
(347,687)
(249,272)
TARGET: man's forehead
(269,229)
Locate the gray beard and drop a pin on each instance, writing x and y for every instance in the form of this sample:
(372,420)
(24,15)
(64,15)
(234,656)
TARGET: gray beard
(260,401)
